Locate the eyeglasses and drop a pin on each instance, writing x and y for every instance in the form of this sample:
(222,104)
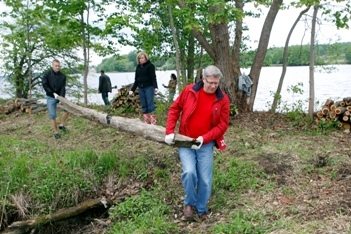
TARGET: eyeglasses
(211,83)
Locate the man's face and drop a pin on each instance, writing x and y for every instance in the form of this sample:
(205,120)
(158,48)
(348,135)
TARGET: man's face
(210,84)
(55,66)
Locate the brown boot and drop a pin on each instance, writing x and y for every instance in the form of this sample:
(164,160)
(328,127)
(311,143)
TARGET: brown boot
(153,119)
(146,118)
(188,212)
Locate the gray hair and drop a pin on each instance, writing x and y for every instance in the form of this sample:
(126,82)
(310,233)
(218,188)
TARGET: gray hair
(213,71)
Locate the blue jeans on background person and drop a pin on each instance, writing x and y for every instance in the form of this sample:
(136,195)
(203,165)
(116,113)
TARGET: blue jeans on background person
(171,96)
(104,96)
(51,104)
(147,99)
(197,171)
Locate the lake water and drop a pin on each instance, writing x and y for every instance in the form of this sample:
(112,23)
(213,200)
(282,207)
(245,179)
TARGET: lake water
(335,85)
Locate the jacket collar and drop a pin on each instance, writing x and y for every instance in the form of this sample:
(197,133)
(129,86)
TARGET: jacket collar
(200,84)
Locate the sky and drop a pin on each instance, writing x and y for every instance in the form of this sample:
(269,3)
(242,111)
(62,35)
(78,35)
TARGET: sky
(283,23)
(326,33)
(281,27)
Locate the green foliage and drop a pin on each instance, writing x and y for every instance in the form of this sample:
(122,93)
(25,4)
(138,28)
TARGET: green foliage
(123,63)
(298,55)
(244,222)
(143,213)
(233,109)
(327,125)
(348,55)
(235,175)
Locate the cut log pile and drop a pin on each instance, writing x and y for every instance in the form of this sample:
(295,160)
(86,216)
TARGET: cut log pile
(336,111)
(122,98)
(29,106)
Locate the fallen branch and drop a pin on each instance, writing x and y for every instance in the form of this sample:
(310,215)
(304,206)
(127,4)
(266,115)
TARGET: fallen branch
(133,126)
(26,226)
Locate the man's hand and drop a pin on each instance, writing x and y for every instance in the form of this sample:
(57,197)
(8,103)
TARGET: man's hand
(156,90)
(199,139)
(130,92)
(169,139)
(55,95)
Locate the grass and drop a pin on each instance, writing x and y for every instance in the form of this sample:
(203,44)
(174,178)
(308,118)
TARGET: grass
(275,176)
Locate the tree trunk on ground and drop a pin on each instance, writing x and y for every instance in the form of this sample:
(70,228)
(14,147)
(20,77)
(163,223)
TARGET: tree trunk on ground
(132,126)
(27,226)
(285,61)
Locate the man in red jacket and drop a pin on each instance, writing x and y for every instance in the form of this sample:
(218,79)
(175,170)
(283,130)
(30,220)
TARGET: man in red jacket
(203,109)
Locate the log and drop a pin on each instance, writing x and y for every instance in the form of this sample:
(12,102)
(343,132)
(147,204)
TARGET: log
(26,226)
(334,106)
(344,125)
(347,99)
(345,118)
(348,108)
(339,110)
(329,102)
(325,110)
(132,126)
(332,114)
(320,114)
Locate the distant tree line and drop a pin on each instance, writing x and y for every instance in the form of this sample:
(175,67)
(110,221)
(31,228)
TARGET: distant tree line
(338,53)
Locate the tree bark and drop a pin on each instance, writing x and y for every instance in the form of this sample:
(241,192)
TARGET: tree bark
(26,226)
(132,126)
(175,40)
(285,61)
(262,50)
(311,66)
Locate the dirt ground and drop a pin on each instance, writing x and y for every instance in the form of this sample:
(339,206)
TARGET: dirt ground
(312,196)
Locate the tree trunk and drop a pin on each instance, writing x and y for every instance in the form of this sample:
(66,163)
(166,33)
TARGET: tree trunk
(285,61)
(311,67)
(86,60)
(171,22)
(261,51)
(191,57)
(132,126)
(27,226)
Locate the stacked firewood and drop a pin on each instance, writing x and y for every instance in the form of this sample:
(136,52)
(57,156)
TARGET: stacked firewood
(336,111)
(29,106)
(122,98)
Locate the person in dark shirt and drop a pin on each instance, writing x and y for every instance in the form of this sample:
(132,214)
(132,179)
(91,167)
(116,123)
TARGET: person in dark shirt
(104,87)
(54,84)
(172,85)
(145,81)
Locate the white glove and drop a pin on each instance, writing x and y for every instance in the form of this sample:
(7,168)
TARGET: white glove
(130,92)
(156,90)
(201,140)
(55,95)
(169,139)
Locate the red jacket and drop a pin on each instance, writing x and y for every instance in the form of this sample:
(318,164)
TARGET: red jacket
(185,105)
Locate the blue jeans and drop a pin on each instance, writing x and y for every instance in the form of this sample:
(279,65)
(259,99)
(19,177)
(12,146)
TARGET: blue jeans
(147,99)
(197,166)
(51,104)
(171,96)
(104,96)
